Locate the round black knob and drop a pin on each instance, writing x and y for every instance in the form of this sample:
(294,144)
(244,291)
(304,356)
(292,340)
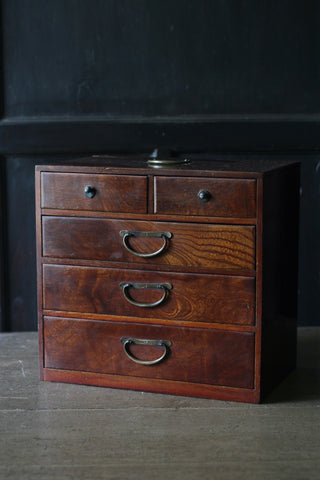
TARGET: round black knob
(89,191)
(204,196)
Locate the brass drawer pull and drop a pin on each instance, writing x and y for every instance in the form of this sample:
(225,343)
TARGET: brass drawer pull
(126,234)
(161,286)
(126,341)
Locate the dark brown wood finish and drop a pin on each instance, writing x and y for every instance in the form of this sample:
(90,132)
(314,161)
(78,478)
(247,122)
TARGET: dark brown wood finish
(39,271)
(122,193)
(201,246)
(172,387)
(198,298)
(230,294)
(198,356)
(225,198)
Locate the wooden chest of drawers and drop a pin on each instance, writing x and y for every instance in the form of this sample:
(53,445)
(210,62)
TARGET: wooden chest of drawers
(180,281)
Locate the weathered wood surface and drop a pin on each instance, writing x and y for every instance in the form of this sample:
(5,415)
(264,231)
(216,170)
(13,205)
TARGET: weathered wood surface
(57,431)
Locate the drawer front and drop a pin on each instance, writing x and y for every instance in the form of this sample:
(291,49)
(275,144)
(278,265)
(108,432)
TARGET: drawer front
(195,355)
(207,246)
(111,193)
(171,296)
(218,197)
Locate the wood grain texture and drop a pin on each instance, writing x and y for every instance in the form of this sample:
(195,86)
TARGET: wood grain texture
(228,262)
(60,431)
(115,193)
(215,357)
(200,298)
(202,246)
(229,197)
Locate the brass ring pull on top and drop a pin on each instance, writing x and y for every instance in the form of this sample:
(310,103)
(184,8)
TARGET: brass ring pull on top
(126,234)
(161,286)
(127,341)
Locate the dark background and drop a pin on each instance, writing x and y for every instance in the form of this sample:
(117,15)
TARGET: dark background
(199,78)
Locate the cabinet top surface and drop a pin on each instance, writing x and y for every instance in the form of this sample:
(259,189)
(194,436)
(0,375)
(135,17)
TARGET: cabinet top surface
(250,167)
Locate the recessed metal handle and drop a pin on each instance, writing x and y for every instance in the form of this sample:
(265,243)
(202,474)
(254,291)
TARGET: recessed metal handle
(151,286)
(126,234)
(127,341)
(89,191)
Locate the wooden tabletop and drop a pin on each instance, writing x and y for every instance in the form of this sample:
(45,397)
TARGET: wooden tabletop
(60,431)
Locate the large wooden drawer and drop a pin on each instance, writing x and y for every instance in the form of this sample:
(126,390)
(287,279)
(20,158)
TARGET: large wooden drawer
(192,297)
(109,193)
(195,355)
(185,245)
(205,197)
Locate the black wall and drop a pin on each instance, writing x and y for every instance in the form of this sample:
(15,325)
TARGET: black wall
(201,78)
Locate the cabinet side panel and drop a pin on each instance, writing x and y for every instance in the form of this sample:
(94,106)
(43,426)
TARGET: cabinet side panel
(39,267)
(280,275)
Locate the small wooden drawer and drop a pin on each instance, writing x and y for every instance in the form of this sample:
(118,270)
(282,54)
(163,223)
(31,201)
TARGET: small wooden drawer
(95,192)
(205,197)
(164,295)
(194,355)
(228,247)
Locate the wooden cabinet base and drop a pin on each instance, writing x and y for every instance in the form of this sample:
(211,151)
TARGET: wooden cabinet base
(156,386)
